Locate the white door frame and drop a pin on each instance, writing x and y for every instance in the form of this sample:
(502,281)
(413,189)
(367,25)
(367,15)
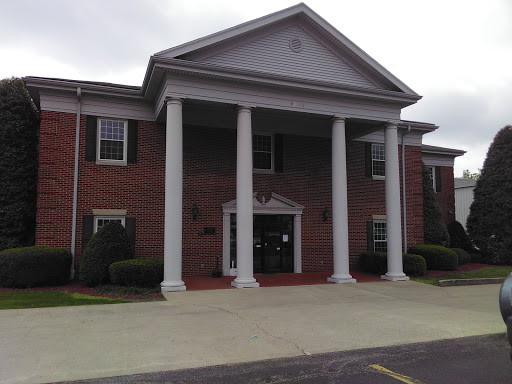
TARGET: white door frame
(277,205)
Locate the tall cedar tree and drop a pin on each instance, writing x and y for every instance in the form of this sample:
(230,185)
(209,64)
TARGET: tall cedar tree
(490,218)
(19,129)
(434,228)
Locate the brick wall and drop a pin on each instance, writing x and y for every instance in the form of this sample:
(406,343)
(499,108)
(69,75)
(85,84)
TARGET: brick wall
(367,197)
(209,181)
(55,179)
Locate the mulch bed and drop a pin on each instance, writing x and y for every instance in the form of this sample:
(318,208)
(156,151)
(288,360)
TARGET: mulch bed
(76,287)
(462,268)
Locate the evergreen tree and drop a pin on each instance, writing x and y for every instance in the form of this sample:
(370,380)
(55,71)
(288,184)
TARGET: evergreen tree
(490,219)
(434,228)
(19,126)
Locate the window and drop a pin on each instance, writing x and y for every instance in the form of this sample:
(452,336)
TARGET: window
(431,173)
(112,140)
(380,243)
(435,177)
(100,221)
(262,152)
(378,160)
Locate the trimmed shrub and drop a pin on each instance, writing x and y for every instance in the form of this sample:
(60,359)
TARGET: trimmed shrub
(414,265)
(374,262)
(377,262)
(34,266)
(19,139)
(459,238)
(108,245)
(142,272)
(490,217)
(462,256)
(476,258)
(437,258)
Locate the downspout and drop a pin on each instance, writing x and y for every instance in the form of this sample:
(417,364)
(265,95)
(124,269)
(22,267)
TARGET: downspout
(404,209)
(75,179)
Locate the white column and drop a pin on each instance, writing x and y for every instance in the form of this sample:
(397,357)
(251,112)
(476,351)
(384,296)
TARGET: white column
(393,214)
(244,222)
(297,243)
(339,205)
(173,198)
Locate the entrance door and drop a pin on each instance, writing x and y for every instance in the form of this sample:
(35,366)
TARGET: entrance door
(273,243)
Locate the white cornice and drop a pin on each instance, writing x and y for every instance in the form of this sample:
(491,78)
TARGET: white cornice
(255,77)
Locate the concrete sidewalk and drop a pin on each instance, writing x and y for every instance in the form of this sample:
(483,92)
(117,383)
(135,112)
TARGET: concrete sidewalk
(202,328)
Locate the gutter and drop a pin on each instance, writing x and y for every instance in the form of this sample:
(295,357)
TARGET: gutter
(75,179)
(404,202)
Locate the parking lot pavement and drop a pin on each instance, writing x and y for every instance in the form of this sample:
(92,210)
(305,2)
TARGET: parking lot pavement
(206,328)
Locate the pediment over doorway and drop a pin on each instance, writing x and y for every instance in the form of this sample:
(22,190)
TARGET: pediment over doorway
(276,205)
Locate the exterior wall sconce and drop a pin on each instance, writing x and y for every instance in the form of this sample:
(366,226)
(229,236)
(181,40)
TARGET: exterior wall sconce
(325,214)
(195,212)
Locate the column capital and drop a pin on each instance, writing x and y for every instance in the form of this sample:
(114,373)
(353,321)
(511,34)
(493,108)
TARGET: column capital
(337,118)
(173,100)
(391,125)
(244,108)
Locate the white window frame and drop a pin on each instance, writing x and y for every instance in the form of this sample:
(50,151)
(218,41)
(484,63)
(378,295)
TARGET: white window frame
(375,234)
(98,143)
(432,174)
(374,176)
(104,217)
(272,153)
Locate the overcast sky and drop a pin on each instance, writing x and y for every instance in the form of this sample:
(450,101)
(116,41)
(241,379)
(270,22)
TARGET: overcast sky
(456,54)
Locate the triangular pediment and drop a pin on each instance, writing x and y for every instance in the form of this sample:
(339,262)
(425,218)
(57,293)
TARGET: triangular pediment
(293,44)
(276,205)
(292,52)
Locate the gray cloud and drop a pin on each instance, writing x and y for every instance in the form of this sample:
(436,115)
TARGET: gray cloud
(103,36)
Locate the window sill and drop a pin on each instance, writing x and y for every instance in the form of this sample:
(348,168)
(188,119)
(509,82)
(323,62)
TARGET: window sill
(378,177)
(112,162)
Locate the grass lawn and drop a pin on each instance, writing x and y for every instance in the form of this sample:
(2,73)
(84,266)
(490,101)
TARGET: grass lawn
(38,299)
(483,273)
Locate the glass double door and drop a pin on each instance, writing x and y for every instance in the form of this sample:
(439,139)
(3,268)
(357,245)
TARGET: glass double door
(273,243)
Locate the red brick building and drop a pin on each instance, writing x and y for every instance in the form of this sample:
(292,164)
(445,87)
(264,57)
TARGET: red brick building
(276,146)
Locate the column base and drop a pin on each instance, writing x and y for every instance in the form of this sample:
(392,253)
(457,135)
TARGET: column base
(173,286)
(245,283)
(341,279)
(395,277)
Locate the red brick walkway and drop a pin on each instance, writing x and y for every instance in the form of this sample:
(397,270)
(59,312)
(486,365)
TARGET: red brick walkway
(198,283)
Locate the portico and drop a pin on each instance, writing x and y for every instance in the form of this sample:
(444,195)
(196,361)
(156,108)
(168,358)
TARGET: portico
(352,96)
(244,203)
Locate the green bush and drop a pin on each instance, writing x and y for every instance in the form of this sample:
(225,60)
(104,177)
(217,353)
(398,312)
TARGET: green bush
(459,238)
(374,262)
(34,266)
(437,258)
(476,258)
(462,256)
(108,245)
(143,272)
(19,139)
(490,217)
(414,265)
(377,262)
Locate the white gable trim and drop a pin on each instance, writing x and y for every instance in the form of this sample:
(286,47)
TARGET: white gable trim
(302,14)
(277,205)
